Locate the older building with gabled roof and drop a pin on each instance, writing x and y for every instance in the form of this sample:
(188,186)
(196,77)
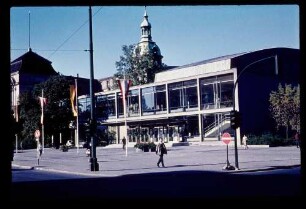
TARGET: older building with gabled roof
(26,71)
(30,69)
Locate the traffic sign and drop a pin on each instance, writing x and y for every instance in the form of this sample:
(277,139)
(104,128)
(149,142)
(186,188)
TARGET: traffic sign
(226,138)
(37,134)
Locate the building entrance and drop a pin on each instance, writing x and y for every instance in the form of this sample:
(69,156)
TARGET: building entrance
(215,124)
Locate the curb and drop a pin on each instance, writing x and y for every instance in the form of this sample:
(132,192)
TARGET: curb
(67,172)
(23,167)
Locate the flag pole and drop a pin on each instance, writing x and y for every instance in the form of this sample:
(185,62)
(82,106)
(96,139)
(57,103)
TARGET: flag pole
(124,88)
(77,110)
(42,124)
(125,115)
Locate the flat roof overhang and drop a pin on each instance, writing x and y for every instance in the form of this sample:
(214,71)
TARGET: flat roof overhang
(149,122)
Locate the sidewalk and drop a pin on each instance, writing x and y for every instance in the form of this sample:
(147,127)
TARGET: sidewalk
(114,162)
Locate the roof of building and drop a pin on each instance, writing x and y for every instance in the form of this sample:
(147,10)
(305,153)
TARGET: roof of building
(31,62)
(218,64)
(216,59)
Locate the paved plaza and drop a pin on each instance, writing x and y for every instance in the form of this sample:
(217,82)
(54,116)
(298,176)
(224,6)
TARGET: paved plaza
(115,162)
(196,173)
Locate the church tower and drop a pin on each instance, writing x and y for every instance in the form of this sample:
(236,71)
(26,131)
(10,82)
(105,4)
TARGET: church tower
(146,44)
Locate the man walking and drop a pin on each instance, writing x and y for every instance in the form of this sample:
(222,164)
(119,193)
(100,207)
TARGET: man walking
(161,150)
(123,143)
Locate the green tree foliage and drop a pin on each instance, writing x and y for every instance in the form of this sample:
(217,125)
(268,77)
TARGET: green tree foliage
(285,107)
(29,114)
(140,69)
(295,120)
(57,111)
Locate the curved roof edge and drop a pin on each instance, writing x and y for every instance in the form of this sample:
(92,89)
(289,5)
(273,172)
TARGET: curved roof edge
(230,56)
(219,63)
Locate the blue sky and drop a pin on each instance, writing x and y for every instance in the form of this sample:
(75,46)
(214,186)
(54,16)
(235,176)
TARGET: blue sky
(184,34)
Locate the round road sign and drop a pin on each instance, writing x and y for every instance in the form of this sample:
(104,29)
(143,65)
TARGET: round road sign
(226,138)
(37,134)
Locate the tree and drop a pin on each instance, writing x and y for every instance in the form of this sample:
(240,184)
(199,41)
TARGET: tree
(140,69)
(29,114)
(295,120)
(285,107)
(57,111)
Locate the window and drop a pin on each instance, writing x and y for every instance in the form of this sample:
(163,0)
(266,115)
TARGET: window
(183,95)
(133,102)
(216,91)
(153,99)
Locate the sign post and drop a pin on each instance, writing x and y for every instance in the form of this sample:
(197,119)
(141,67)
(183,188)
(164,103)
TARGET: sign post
(39,148)
(226,138)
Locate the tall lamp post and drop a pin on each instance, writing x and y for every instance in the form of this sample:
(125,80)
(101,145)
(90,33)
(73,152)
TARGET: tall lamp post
(234,88)
(94,166)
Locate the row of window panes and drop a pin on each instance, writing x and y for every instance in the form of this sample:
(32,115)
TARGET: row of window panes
(215,92)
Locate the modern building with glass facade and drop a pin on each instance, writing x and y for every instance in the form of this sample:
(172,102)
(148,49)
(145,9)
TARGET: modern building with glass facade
(192,102)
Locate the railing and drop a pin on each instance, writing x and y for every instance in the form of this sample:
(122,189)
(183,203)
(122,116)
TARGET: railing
(216,125)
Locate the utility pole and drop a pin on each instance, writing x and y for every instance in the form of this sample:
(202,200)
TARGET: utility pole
(94,166)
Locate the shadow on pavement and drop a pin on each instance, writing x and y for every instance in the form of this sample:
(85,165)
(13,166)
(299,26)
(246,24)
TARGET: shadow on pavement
(178,185)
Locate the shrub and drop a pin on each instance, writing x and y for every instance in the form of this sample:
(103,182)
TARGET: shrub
(152,146)
(268,139)
(64,148)
(139,146)
(146,146)
(28,144)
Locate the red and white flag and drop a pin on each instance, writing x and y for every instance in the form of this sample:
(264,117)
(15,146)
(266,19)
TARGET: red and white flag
(124,86)
(72,98)
(43,101)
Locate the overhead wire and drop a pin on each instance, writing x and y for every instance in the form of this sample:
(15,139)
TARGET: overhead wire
(57,49)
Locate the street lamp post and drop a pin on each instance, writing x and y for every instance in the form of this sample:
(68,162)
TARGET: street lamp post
(94,166)
(234,88)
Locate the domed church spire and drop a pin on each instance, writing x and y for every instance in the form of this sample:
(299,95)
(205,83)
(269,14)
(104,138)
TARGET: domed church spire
(145,28)
(146,44)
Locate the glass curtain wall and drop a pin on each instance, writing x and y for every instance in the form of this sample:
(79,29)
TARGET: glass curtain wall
(160,95)
(153,100)
(120,105)
(133,103)
(84,108)
(105,106)
(145,136)
(174,133)
(183,96)
(216,91)
(226,90)
(148,100)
